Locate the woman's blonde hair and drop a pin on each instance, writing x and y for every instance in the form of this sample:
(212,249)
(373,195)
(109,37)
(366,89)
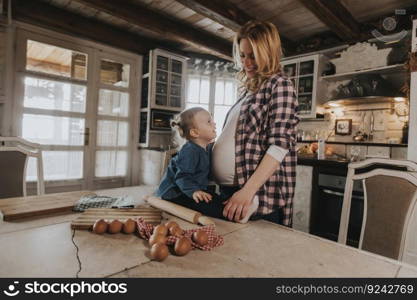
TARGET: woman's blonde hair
(266,44)
(184,122)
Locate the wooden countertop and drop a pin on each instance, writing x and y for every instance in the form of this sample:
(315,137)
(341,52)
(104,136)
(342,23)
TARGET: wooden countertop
(44,247)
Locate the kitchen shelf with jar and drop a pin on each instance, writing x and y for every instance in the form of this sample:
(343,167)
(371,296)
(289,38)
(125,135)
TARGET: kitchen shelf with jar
(162,95)
(304,74)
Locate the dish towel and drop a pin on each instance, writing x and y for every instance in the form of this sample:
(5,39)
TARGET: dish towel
(95,201)
(214,240)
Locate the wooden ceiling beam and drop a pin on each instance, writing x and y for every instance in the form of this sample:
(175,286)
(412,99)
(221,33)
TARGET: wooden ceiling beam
(51,17)
(163,26)
(335,16)
(229,15)
(222,12)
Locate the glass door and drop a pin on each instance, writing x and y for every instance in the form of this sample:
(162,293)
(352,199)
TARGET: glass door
(113,127)
(52,83)
(76,102)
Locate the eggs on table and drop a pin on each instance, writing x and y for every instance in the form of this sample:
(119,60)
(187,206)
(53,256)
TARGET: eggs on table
(114,226)
(159,249)
(157,241)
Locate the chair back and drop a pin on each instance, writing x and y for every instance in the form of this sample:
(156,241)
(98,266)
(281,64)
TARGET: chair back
(389,205)
(14,154)
(12,164)
(166,159)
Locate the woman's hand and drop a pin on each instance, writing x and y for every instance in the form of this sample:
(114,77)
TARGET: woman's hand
(202,196)
(237,206)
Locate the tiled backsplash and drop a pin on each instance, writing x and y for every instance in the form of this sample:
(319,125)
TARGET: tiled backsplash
(363,151)
(388,127)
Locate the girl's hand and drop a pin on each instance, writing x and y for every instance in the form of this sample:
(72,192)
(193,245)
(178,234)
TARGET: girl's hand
(237,206)
(202,196)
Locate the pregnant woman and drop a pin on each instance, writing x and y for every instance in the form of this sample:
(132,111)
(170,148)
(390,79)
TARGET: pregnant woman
(254,159)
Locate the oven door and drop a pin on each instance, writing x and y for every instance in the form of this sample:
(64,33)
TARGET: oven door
(330,209)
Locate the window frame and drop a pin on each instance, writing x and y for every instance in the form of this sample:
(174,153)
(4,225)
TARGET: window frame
(212,91)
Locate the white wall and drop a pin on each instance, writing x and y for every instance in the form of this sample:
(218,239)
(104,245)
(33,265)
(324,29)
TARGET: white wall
(412,134)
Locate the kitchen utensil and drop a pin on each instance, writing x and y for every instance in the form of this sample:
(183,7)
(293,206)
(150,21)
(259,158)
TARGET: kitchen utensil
(360,136)
(371,127)
(31,206)
(179,211)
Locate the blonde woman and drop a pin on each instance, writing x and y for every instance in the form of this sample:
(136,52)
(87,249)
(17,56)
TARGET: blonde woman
(254,159)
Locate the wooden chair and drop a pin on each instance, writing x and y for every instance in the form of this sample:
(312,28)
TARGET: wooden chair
(389,205)
(14,154)
(166,158)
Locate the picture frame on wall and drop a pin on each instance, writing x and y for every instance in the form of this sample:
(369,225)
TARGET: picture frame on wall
(343,127)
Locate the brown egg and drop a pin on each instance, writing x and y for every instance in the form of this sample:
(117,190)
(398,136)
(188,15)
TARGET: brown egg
(170,224)
(157,238)
(159,252)
(182,246)
(129,226)
(200,237)
(176,231)
(160,229)
(100,226)
(115,226)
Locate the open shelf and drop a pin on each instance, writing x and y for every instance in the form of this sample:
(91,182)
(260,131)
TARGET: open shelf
(381,70)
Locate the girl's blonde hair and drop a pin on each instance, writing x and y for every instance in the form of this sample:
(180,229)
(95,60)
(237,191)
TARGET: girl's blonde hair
(266,44)
(184,122)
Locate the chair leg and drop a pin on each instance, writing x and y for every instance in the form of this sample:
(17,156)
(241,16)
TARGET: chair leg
(344,218)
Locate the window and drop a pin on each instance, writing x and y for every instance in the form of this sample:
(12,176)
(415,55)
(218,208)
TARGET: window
(198,92)
(215,94)
(225,97)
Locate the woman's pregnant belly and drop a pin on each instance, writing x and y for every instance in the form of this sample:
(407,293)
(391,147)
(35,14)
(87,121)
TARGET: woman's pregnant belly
(223,159)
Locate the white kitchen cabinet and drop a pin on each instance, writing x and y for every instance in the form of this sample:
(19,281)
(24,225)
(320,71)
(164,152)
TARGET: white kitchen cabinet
(304,73)
(302,198)
(163,89)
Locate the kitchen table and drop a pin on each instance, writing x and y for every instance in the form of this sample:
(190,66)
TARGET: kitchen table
(47,247)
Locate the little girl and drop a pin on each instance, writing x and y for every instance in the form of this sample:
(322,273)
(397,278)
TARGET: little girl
(186,179)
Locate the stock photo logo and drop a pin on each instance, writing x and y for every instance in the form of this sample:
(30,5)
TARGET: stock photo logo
(11,290)
(390,24)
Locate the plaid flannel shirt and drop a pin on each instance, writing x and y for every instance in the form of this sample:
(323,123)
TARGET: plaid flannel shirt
(269,117)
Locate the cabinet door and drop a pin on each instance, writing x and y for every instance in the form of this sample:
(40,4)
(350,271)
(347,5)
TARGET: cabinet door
(302,196)
(303,74)
(176,83)
(162,62)
(176,66)
(167,81)
(306,87)
(143,128)
(144,93)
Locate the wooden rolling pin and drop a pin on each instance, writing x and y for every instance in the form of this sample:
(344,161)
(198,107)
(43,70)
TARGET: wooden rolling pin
(179,211)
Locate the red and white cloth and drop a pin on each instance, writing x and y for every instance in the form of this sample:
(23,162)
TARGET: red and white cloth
(214,240)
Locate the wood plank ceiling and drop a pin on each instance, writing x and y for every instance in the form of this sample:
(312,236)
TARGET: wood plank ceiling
(208,26)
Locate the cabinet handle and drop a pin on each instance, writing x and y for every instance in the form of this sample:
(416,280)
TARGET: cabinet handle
(341,194)
(332,192)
